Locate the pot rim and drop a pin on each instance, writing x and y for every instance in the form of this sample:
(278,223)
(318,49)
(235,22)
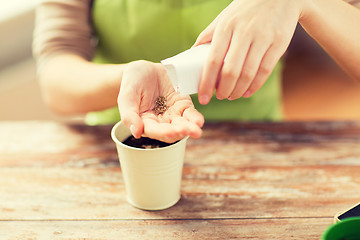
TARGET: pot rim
(117,141)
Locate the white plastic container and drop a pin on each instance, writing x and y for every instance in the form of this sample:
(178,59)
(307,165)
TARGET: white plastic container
(152,176)
(184,69)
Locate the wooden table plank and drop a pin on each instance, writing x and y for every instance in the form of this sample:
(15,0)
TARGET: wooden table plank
(45,144)
(253,180)
(42,144)
(207,192)
(280,229)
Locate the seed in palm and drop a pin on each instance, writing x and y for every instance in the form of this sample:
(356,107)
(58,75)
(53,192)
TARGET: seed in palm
(160,105)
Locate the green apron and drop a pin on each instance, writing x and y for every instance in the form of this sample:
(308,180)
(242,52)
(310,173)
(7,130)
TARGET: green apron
(153,30)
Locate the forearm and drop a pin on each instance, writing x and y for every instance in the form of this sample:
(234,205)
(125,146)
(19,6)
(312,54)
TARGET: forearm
(73,85)
(334,24)
(63,47)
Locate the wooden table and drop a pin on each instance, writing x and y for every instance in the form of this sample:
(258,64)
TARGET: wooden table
(240,181)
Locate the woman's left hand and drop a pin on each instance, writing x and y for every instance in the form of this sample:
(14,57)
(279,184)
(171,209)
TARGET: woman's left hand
(247,40)
(142,83)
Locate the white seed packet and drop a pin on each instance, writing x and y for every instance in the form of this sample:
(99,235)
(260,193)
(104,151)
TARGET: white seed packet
(184,69)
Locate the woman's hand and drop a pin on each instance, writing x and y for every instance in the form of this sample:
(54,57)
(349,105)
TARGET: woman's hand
(142,83)
(247,40)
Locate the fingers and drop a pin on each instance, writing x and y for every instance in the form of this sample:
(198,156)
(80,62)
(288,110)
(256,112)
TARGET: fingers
(170,132)
(250,70)
(232,65)
(219,46)
(158,130)
(239,61)
(245,68)
(129,112)
(176,127)
(183,128)
(192,115)
(134,123)
(267,65)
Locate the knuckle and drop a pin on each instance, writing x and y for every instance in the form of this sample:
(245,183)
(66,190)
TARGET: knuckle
(264,35)
(279,35)
(214,61)
(228,74)
(266,69)
(248,74)
(227,24)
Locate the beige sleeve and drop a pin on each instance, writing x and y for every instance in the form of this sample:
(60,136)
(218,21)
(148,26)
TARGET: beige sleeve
(63,26)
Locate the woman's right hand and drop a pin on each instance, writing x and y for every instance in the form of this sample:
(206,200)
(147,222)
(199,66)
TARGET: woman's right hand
(247,39)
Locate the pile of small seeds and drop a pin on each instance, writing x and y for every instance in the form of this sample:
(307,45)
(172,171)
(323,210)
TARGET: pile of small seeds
(160,105)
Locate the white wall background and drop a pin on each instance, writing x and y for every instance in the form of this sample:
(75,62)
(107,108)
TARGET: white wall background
(20,97)
(16,26)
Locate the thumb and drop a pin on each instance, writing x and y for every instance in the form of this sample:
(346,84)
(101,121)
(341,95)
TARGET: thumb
(129,112)
(206,35)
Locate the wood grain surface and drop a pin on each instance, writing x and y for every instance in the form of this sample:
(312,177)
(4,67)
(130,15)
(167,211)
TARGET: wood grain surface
(240,181)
